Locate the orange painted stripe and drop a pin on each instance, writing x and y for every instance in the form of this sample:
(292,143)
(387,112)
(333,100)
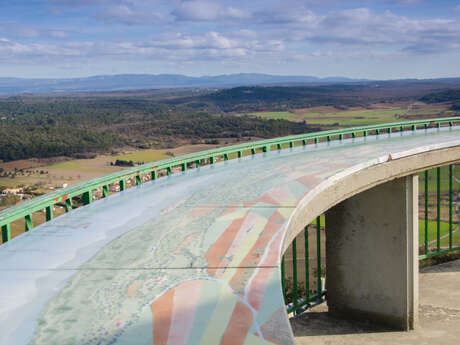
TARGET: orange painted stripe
(249,204)
(162,311)
(280,193)
(256,252)
(238,326)
(229,210)
(259,283)
(221,246)
(266,198)
(198,212)
(186,299)
(309,181)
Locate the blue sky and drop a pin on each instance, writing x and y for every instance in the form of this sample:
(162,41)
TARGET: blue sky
(384,39)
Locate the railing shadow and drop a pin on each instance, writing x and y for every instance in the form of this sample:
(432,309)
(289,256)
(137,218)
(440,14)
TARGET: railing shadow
(446,267)
(320,323)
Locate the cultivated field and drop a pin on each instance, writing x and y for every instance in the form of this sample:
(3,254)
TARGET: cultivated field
(378,113)
(46,174)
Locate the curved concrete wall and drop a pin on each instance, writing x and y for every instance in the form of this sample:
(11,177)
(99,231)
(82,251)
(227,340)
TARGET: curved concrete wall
(194,258)
(360,178)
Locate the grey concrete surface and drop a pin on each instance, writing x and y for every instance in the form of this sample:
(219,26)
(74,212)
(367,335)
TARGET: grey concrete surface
(439,317)
(371,256)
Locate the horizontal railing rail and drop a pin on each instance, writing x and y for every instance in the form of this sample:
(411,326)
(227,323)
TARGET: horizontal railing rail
(168,166)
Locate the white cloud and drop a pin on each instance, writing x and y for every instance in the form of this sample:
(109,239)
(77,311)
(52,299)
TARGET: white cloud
(174,46)
(234,44)
(9,48)
(254,38)
(59,34)
(405,2)
(79,3)
(205,10)
(28,32)
(362,27)
(286,15)
(124,14)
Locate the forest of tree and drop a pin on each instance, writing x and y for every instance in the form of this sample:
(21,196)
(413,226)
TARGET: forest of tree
(71,125)
(451,95)
(19,141)
(48,127)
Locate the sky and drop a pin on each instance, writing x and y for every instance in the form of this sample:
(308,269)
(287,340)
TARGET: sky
(376,39)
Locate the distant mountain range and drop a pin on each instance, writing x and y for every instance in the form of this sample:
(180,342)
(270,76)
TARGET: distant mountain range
(148,81)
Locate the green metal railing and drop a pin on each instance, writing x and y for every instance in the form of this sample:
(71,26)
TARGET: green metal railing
(296,299)
(438,195)
(301,293)
(85,189)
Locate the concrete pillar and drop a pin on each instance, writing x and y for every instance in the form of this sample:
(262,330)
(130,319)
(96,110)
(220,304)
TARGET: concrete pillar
(372,255)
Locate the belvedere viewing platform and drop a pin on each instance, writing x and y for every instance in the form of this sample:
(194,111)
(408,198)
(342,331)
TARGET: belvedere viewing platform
(206,248)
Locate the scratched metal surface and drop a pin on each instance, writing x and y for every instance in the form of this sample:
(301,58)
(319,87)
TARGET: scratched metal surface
(193,258)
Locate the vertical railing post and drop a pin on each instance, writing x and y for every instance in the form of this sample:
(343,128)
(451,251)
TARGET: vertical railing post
(295,295)
(154,174)
(184,165)
(318,258)
(49,212)
(28,222)
(138,180)
(68,204)
(168,171)
(253,151)
(6,233)
(225,156)
(426,212)
(87,197)
(122,185)
(307,266)
(438,209)
(240,154)
(450,205)
(283,279)
(105,191)
(211,160)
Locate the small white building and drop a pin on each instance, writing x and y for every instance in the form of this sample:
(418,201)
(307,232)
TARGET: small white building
(12,191)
